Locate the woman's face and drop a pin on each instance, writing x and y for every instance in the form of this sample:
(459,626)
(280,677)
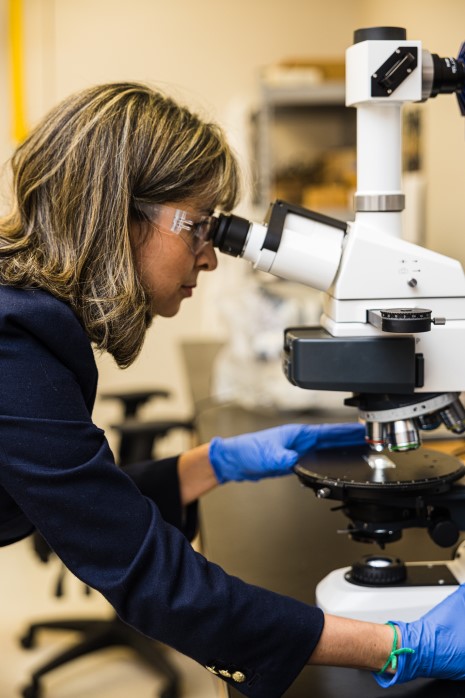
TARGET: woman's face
(167,266)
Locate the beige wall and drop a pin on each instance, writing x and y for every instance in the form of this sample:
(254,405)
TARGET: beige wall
(209,53)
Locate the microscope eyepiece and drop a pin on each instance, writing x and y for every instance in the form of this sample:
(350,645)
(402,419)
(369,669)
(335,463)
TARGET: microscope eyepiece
(231,234)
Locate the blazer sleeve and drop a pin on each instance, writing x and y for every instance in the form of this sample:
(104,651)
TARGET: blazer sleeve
(57,466)
(158,480)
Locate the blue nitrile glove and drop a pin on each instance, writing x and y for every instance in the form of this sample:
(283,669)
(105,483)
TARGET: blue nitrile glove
(438,641)
(275,451)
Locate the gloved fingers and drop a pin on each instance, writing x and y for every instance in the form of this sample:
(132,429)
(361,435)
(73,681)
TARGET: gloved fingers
(275,451)
(447,611)
(299,438)
(251,456)
(282,461)
(303,437)
(340,435)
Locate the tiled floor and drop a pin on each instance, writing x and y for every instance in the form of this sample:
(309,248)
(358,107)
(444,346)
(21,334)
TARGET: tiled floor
(26,594)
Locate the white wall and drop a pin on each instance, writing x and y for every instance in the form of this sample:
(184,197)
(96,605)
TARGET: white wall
(208,53)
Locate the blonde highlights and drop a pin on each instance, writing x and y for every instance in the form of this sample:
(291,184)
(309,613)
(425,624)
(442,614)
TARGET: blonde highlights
(77,179)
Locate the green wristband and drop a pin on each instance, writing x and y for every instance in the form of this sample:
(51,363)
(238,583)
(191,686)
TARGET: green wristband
(392,659)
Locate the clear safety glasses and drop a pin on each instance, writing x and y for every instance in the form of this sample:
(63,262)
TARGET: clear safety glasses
(195,231)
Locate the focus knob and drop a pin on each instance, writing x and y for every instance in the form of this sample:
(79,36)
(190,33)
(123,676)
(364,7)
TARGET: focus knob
(444,532)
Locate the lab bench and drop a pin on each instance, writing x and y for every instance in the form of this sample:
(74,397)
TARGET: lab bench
(275,533)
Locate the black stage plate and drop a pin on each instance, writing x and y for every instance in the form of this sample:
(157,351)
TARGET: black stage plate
(360,469)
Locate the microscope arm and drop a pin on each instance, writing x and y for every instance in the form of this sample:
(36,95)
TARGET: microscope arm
(392,330)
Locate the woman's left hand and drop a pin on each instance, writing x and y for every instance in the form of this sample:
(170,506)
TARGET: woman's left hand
(275,451)
(438,643)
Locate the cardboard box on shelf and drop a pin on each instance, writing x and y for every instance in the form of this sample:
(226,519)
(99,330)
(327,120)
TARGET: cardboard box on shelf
(327,196)
(329,68)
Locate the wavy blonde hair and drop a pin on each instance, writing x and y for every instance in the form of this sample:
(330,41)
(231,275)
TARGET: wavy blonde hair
(77,179)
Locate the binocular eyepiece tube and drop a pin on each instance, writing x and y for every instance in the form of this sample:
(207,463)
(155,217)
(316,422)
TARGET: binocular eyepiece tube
(293,243)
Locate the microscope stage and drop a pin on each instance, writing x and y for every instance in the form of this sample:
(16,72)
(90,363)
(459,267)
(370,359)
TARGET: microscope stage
(338,473)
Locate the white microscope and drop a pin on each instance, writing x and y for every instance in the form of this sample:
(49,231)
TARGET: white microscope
(392,333)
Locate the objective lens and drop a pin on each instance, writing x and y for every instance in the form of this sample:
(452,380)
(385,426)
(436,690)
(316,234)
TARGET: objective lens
(429,422)
(402,435)
(453,417)
(376,435)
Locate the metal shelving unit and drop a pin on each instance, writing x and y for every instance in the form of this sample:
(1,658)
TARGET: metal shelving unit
(296,122)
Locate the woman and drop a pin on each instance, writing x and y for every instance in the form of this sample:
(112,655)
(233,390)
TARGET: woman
(114,195)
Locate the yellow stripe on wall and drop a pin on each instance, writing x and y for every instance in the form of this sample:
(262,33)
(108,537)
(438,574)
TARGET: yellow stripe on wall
(18,118)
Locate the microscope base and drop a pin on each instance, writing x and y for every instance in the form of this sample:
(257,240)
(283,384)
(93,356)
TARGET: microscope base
(406,601)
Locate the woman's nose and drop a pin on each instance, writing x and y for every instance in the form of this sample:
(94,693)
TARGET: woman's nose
(206,259)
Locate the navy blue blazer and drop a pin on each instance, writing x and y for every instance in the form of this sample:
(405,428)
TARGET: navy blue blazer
(57,474)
